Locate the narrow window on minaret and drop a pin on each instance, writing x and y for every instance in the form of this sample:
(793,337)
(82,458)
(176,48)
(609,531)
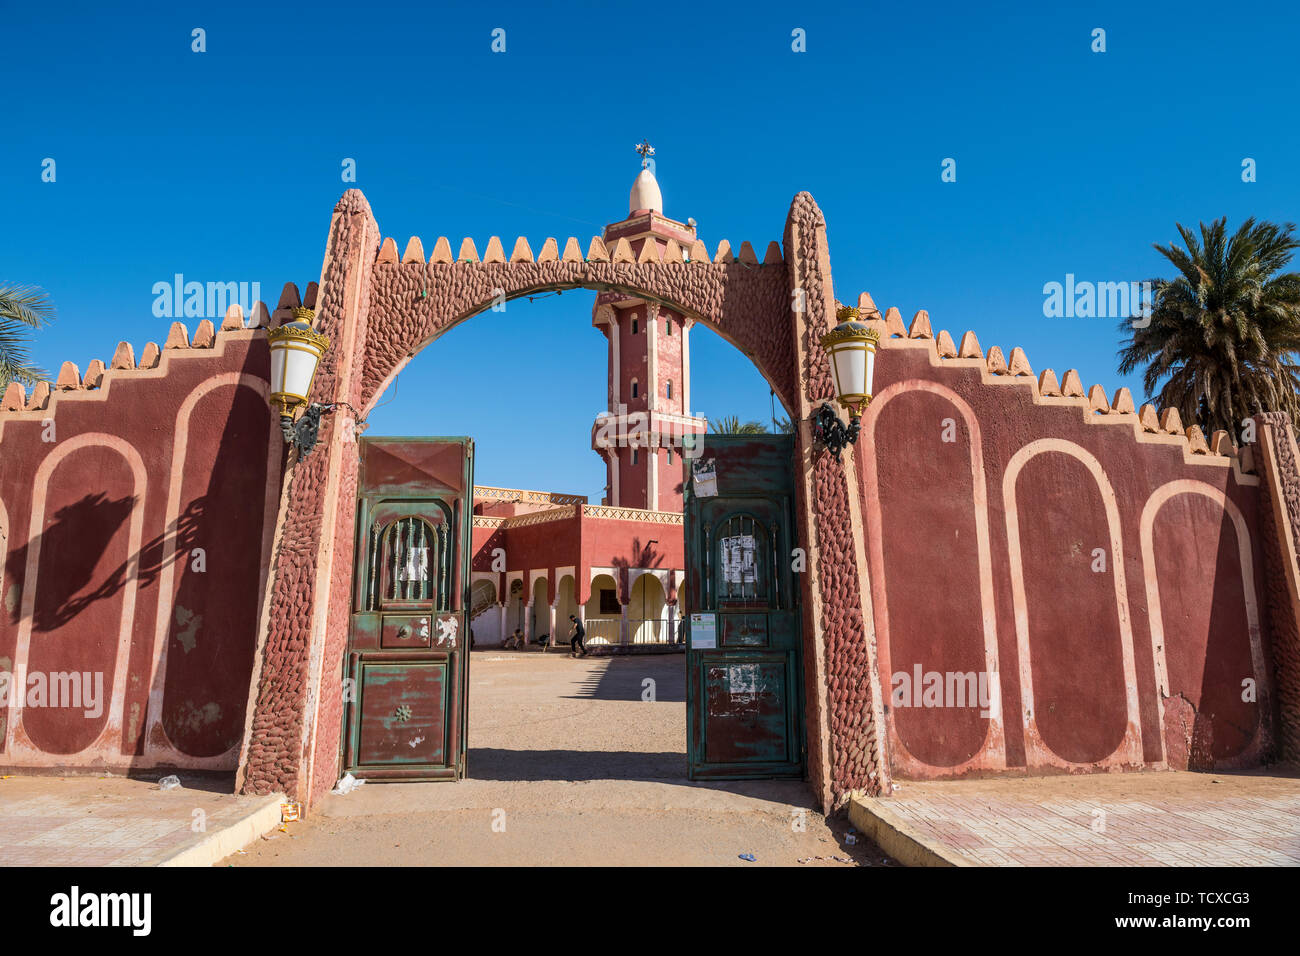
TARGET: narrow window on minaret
(668,326)
(634,456)
(670,388)
(634,388)
(670,456)
(634,325)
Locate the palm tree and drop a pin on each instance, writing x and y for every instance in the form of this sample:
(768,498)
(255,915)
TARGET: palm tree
(1224,334)
(22,308)
(731,425)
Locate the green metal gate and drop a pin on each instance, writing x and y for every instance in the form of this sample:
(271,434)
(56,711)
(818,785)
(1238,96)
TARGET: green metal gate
(744,677)
(406,703)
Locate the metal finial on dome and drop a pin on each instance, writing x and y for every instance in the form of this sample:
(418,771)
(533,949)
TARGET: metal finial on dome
(645,195)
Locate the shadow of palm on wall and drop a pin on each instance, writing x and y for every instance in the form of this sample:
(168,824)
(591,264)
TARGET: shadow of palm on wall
(72,547)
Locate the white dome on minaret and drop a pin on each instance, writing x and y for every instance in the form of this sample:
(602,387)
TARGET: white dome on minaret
(645,194)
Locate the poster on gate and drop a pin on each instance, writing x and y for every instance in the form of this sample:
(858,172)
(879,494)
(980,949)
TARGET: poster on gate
(738,562)
(704,478)
(704,632)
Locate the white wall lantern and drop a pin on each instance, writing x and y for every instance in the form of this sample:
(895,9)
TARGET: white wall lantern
(851,351)
(296,351)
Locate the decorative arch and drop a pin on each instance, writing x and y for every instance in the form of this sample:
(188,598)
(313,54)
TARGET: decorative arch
(647,601)
(662,574)
(1158,499)
(107,744)
(158,747)
(413,303)
(992,753)
(565,600)
(1037,753)
(538,608)
(483,584)
(5,531)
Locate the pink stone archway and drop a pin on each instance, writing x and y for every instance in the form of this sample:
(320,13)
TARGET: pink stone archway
(736,300)
(379,314)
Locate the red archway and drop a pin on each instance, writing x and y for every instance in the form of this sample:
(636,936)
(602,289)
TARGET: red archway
(379,312)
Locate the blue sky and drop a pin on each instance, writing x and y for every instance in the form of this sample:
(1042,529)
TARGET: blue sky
(225,165)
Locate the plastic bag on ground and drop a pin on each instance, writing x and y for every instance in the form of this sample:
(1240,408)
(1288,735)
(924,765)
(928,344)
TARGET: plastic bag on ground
(170,782)
(347,783)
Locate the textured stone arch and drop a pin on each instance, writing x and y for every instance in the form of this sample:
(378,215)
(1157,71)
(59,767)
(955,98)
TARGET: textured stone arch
(413,303)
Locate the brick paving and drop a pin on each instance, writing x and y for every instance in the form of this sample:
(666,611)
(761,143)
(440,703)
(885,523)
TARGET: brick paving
(1146,819)
(110,821)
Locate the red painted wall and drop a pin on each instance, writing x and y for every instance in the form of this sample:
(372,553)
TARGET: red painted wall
(1079,562)
(152,493)
(582,543)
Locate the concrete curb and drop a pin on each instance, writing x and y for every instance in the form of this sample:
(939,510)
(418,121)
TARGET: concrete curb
(873,817)
(219,844)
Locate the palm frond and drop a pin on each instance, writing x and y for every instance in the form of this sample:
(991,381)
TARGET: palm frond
(1223,342)
(22,309)
(25,304)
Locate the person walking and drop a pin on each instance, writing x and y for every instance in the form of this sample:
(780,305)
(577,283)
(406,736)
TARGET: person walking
(576,634)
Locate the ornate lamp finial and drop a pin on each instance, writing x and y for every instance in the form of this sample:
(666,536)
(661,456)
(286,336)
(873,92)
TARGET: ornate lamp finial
(646,151)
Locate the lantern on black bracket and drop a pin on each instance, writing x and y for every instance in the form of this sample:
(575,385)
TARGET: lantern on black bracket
(851,349)
(296,350)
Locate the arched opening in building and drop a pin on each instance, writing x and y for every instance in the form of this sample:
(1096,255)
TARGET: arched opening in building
(602,614)
(566,524)
(648,612)
(561,531)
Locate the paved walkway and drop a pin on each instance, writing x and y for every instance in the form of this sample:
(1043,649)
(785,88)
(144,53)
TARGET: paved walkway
(569,765)
(1134,819)
(115,821)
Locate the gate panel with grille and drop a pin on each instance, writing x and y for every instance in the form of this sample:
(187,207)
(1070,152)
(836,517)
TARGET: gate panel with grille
(408,647)
(744,696)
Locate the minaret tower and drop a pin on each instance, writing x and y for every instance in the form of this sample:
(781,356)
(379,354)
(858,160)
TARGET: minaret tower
(649,367)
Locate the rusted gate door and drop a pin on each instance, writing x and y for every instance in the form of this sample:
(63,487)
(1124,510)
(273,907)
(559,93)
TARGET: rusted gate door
(744,678)
(408,648)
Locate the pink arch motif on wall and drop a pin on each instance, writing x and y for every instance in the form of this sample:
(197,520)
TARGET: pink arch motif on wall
(5,531)
(993,752)
(107,746)
(1037,753)
(158,748)
(1159,498)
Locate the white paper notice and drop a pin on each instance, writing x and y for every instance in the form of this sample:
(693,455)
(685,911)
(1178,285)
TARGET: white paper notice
(738,564)
(743,679)
(416,567)
(705,479)
(704,631)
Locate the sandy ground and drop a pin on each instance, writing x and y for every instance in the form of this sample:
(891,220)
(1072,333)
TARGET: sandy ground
(568,765)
